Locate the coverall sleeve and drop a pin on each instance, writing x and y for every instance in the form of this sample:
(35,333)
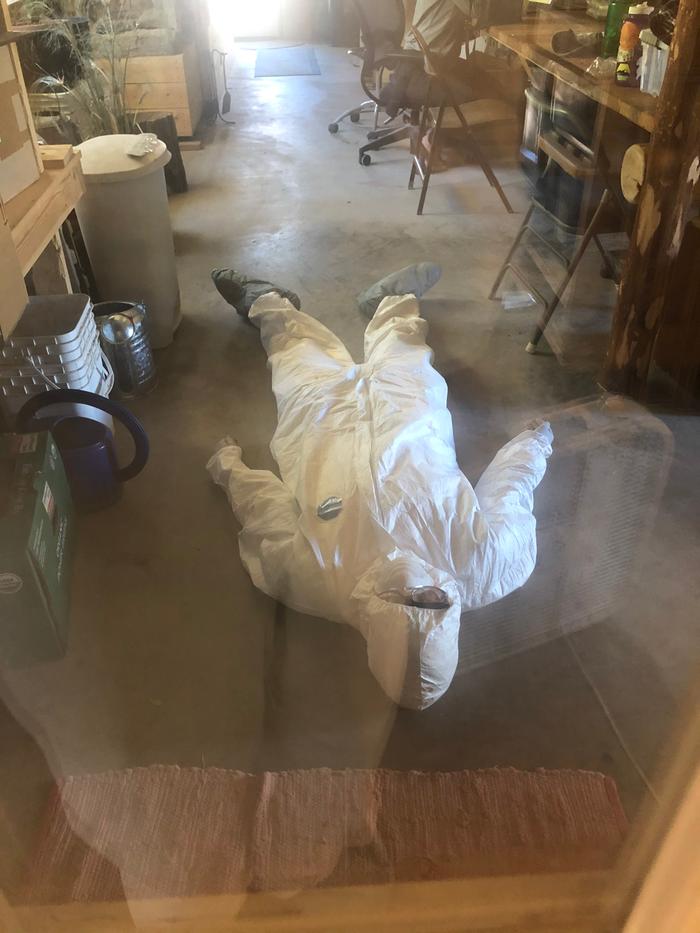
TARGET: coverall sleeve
(505,526)
(508,483)
(268,514)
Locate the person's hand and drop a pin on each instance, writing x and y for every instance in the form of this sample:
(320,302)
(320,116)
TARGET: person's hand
(535,424)
(542,430)
(226,442)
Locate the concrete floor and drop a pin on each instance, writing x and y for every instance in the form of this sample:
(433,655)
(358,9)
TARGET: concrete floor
(174,656)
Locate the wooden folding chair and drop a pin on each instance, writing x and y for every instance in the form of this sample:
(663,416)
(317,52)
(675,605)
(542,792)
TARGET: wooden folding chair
(467,116)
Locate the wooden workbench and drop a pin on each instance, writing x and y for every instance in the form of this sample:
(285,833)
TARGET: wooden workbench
(531,40)
(35,215)
(33,203)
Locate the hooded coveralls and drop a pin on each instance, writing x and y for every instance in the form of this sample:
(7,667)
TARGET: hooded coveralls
(378,437)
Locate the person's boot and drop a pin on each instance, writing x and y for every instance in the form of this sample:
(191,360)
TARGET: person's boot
(242,292)
(413,280)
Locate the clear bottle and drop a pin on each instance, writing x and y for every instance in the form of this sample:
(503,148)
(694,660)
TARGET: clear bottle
(630,51)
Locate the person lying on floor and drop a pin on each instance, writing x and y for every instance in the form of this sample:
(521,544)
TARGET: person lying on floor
(372,522)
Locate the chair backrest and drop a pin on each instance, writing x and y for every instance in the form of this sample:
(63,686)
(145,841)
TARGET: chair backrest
(495,12)
(432,62)
(382,24)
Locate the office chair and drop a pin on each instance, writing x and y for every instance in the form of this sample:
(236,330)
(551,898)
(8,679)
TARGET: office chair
(382,27)
(354,113)
(468,113)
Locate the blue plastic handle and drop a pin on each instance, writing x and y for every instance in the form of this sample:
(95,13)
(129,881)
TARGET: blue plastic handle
(79,397)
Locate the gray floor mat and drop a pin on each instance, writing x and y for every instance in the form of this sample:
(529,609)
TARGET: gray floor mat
(277,63)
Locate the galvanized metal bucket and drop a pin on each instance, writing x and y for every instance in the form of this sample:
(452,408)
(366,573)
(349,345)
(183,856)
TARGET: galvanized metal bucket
(123,327)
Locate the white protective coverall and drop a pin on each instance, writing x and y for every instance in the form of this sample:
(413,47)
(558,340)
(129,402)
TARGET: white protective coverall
(378,436)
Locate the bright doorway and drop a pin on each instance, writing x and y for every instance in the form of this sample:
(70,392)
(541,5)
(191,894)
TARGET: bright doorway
(246,19)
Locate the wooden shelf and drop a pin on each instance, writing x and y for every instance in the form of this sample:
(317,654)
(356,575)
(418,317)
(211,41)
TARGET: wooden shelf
(35,215)
(531,39)
(17,33)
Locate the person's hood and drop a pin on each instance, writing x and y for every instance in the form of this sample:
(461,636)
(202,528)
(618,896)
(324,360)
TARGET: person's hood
(411,651)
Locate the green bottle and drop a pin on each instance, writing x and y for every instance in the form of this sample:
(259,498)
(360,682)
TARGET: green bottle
(617,11)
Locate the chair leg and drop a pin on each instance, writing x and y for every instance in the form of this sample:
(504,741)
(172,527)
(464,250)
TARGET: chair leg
(386,139)
(589,235)
(516,243)
(412,176)
(607,270)
(431,158)
(483,163)
(416,147)
(363,108)
(384,130)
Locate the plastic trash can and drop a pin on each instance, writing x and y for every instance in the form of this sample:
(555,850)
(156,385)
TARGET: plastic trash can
(125,222)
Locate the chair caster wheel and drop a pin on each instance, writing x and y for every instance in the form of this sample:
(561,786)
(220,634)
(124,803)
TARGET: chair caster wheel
(355,117)
(333,128)
(366,159)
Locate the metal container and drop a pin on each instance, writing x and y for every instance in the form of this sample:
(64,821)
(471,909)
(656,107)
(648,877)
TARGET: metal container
(652,69)
(125,195)
(538,105)
(123,328)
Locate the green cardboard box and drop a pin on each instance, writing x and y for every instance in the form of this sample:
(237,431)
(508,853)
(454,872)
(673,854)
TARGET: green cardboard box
(37,529)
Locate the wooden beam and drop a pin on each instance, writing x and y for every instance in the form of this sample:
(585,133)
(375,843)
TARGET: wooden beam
(55,156)
(13,293)
(673,171)
(577,903)
(663,848)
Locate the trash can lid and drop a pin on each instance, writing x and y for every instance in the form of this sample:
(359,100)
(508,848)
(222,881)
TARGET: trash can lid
(106,159)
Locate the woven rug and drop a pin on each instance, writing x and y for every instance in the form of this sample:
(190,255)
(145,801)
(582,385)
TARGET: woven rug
(279,63)
(168,831)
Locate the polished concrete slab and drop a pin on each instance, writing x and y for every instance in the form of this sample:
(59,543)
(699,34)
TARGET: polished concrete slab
(174,656)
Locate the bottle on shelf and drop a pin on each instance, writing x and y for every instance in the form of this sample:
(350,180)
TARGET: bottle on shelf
(617,11)
(630,51)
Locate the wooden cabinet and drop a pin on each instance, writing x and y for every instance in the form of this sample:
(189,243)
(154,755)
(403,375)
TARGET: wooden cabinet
(166,84)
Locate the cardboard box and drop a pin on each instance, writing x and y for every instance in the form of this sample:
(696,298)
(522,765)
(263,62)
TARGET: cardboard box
(37,529)
(20,167)
(20,164)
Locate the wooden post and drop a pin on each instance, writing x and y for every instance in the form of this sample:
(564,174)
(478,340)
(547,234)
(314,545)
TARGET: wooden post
(673,170)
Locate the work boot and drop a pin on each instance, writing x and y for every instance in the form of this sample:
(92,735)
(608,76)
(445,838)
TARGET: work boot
(242,292)
(413,280)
